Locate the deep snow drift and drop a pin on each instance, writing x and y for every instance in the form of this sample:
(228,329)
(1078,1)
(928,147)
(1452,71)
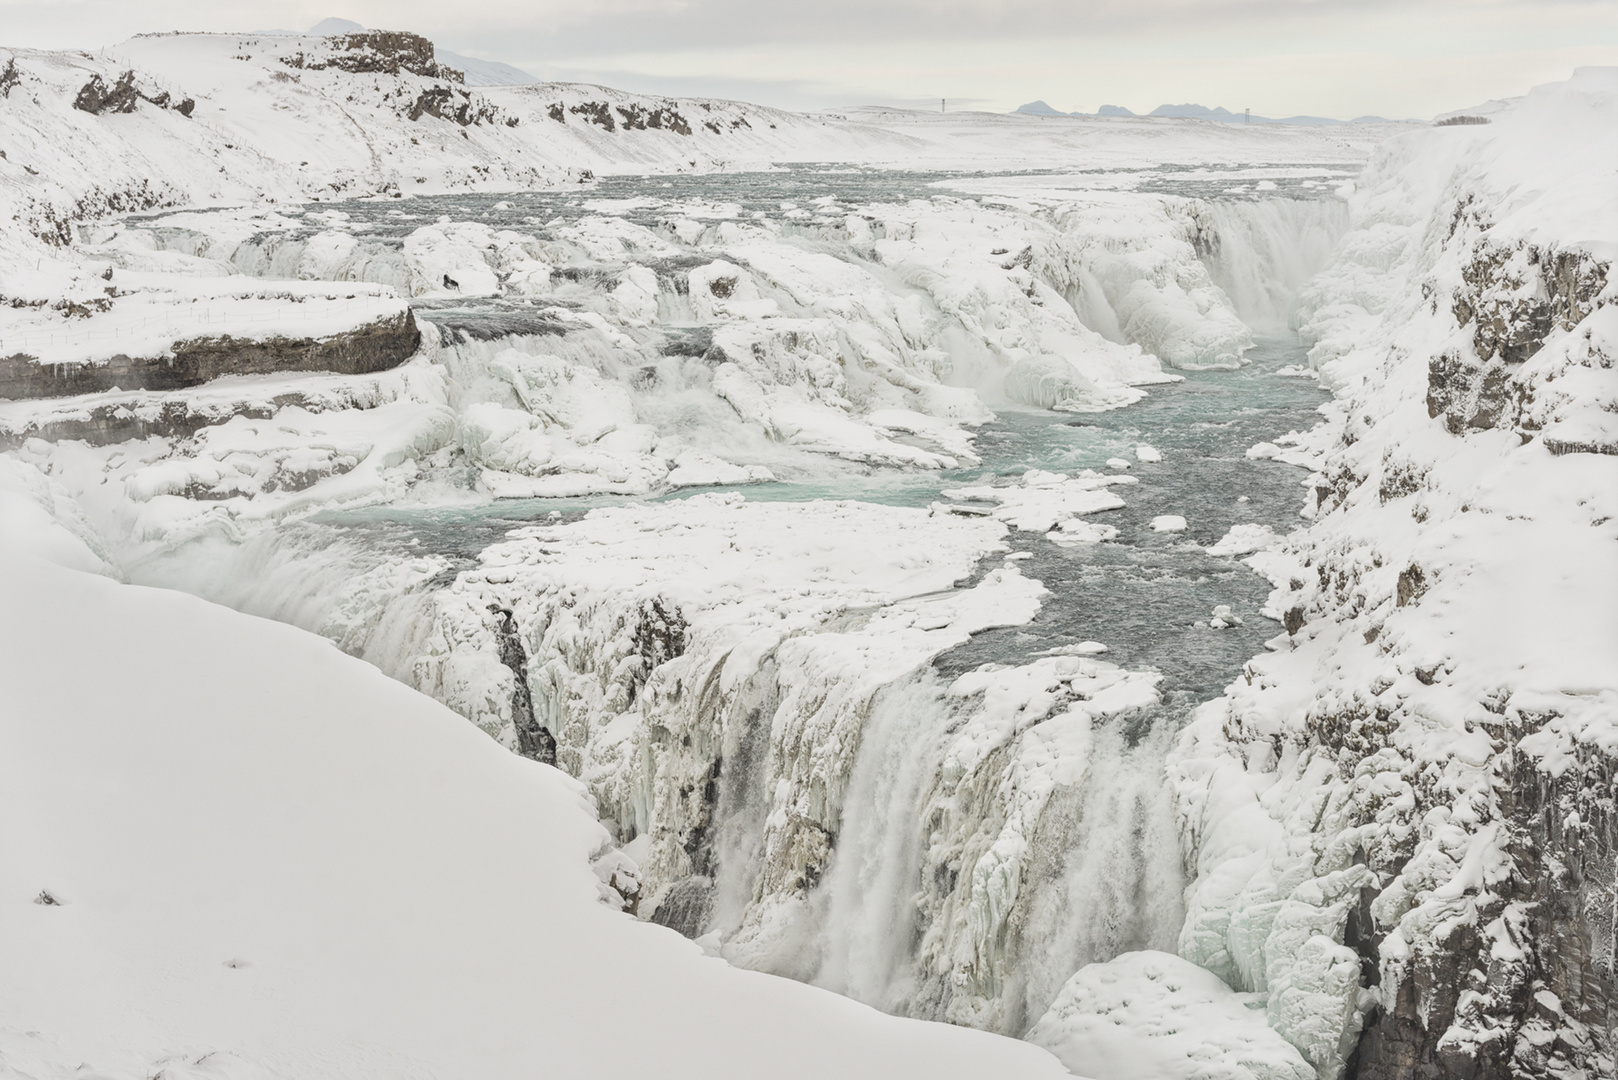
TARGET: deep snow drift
(235,852)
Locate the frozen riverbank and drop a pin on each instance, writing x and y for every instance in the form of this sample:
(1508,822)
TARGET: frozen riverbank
(863,539)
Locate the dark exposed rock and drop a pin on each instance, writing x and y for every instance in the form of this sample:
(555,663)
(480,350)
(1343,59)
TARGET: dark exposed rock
(384,52)
(377,346)
(1470,395)
(660,635)
(96,98)
(115,422)
(533,741)
(1511,298)
(453,104)
(9,77)
(639,118)
(1532,994)
(687,906)
(596,112)
(1412,583)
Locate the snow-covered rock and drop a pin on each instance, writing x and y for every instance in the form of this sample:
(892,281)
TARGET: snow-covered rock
(1400,818)
(1154,1016)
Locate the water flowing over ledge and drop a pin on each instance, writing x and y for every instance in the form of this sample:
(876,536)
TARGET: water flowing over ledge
(912,747)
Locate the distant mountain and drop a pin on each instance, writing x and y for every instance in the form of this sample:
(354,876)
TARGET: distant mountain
(484,72)
(1225,116)
(330,27)
(478,72)
(1039,108)
(1196,112)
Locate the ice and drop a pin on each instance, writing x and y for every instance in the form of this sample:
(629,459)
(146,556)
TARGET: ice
(1041,501)
(1454,577)
(1082,648)
(1154,1016)
(1079,531)
(1244,539)
(747,690)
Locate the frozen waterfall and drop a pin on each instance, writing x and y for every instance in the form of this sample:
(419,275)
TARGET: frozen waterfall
(793,714)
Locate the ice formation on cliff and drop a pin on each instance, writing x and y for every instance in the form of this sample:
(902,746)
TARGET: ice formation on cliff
(1397,821)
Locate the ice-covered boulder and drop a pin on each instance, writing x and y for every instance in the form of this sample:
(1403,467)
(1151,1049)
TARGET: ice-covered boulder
(1154,1016)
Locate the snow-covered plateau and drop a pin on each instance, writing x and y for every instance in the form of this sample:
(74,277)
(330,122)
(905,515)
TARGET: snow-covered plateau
(841,520)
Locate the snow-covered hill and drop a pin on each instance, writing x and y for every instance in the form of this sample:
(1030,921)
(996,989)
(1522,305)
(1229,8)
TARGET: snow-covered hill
(233,852)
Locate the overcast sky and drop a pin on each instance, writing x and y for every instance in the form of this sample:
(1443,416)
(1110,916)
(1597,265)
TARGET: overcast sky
(1343,58)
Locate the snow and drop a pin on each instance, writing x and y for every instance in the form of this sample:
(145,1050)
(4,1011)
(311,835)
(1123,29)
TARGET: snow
(333,873)
(1040,501)
(337,873)
(1244,539)
(1154,1016)
(1449,583)
(678,341)
(859,334)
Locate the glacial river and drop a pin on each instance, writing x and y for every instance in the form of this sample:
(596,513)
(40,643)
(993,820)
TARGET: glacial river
(1143,594)
(1104,875)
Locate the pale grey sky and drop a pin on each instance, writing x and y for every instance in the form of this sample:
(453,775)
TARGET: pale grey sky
(1339,58)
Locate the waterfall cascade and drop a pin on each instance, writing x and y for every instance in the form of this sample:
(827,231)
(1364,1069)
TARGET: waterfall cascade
(803,785)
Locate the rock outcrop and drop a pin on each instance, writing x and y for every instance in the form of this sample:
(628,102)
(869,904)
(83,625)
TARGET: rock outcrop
(377,346)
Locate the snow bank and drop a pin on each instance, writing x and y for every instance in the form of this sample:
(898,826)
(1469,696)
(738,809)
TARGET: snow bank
(1153,1016)
(1243,539)
(332,872)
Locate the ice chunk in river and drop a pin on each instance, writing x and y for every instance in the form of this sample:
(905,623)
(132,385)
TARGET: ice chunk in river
(1244,539)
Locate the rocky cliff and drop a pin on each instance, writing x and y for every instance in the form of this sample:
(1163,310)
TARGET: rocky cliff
(1401,819)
